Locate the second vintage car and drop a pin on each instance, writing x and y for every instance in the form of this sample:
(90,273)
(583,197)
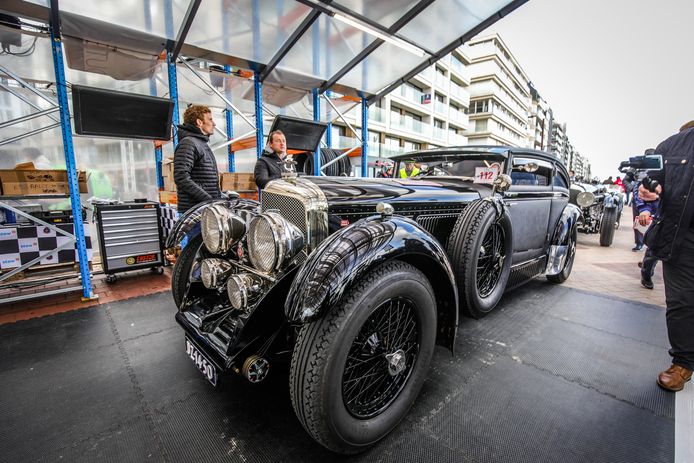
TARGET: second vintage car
(601,209)
(357,279)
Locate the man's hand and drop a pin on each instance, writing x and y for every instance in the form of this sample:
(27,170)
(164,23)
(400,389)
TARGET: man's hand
(645,218)
(646,195)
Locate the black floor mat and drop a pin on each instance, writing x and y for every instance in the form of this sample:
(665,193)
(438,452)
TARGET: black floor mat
(554,374)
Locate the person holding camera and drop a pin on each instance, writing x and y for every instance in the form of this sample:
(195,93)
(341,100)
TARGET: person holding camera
(671,239)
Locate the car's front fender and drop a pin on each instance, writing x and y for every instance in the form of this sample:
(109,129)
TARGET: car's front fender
(348,254)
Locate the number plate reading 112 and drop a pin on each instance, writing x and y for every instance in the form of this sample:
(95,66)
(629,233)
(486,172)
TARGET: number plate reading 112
(485,174)
(205,366)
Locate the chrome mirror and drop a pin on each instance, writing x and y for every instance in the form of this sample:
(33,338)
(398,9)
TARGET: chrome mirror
(531,167)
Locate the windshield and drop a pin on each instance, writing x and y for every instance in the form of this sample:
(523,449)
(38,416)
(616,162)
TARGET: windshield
(451,166)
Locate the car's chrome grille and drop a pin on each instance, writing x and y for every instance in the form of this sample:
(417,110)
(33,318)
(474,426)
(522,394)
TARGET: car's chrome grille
(291,208)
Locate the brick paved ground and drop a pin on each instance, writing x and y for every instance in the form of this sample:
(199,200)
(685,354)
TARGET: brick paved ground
(614,271)
(129,285)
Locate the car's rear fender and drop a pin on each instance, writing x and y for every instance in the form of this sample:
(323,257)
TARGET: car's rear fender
(347,255)
(557,252)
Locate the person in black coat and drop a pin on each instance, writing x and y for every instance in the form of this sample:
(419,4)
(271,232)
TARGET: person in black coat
(269,165)
(671,239)
(195,167)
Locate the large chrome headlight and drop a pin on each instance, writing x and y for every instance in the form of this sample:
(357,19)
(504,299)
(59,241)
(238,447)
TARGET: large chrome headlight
(272,241)
(213,272)
(585,199)
(242,289)
(221,228)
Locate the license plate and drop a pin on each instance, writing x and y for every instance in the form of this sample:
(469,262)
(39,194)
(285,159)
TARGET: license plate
(205,366)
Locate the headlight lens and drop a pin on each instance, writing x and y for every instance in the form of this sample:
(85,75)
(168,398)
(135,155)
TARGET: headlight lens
(214,271)
(272,241)
(585,199)
(221,228)
(243,288)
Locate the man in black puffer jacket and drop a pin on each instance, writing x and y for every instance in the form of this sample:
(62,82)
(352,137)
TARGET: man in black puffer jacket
(269,165)
(195,167)
(671,238)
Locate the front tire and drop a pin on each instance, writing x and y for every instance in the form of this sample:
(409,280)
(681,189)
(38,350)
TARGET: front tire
(480,248)
(607,226)
(356,372)
(181,271)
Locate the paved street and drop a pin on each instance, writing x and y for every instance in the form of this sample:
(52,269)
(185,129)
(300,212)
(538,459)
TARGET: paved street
(613,271)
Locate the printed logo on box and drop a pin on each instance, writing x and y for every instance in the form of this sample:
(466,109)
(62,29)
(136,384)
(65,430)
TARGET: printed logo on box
(10,261)
(8,233)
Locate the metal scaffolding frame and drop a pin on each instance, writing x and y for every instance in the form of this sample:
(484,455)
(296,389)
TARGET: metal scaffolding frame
(175,44)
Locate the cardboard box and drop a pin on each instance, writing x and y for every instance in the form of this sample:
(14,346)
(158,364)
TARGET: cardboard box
(26,181)
(168,197)
(237,182)
(167,172)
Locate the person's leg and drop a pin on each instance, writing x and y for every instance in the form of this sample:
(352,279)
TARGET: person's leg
(638,236)
(679,297)
(648,269)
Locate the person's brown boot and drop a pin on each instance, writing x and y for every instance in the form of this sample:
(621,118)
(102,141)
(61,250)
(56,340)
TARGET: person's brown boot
(673,378)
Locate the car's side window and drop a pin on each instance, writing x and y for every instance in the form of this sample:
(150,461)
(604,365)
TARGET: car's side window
(559,180)
(522,174)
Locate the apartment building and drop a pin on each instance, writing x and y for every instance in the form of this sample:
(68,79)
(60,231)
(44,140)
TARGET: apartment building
(428,111)
(540,119)
(478,94)
(499,94)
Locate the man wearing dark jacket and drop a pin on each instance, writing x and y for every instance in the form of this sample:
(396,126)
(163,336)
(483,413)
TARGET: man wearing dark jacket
(671,239)
(195,167)
(269,166)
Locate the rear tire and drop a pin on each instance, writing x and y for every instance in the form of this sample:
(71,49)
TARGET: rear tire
(356,372)
(181,271)
(481,262)
(607,226)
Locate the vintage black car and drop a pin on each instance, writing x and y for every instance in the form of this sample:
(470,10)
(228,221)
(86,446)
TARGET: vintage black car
(601,209)
(356,279)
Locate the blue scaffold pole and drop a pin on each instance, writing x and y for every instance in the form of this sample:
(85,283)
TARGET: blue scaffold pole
(153,91)
(258,98)
(173,94)
(229,116)
(70,165)
(364,138)
(329,130)
(316,117)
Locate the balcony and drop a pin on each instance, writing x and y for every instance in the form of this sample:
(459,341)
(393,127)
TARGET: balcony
(459,68)
(455,139)
(377,115)
(442,81)
(459,94)
(386,151)
(398,121)
(409,94)
(440,133)
(459,118)
(426,74)
(440,107)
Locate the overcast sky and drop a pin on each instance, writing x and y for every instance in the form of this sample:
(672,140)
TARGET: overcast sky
(619,73)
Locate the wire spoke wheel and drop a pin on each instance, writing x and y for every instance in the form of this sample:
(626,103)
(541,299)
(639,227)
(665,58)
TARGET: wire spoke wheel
(491,260)
(381,358)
